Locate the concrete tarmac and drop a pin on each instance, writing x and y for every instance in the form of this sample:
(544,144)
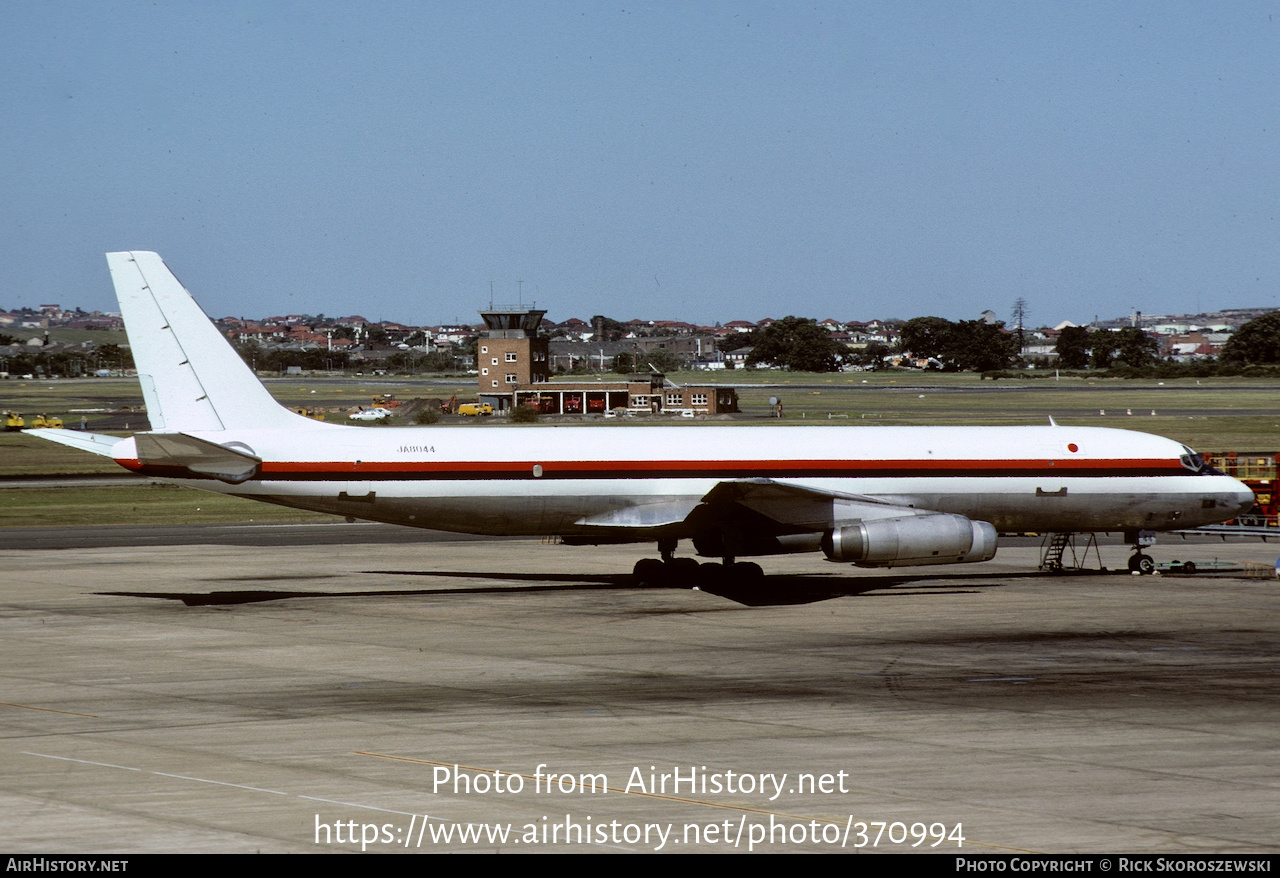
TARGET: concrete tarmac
(292,698)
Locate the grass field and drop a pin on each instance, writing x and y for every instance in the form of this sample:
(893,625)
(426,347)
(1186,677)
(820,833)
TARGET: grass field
(1208,414)
(61,335)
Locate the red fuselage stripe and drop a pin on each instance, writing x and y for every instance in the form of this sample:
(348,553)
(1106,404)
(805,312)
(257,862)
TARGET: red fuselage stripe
(575,469)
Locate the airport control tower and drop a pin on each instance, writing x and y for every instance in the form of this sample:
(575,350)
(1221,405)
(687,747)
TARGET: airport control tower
(511,355)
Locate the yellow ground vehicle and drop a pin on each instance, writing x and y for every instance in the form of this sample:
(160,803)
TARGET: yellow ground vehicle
(475,408)
(14,421)
(47,422)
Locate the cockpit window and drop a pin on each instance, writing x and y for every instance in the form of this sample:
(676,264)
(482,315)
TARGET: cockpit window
(1194,462)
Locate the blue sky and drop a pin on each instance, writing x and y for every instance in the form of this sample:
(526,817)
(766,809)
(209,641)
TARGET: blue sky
(700,161)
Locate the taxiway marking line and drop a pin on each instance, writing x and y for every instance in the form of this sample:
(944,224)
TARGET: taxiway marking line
(49,710)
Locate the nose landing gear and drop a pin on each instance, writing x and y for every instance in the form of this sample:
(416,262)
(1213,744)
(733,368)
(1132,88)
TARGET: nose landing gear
(1141,562)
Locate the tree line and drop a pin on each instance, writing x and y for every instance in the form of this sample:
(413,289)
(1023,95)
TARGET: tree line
(801,344)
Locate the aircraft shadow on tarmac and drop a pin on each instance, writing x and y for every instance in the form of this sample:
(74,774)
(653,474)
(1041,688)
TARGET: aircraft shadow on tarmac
(777,590)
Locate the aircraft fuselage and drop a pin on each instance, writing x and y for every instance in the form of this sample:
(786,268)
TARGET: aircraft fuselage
(552,480)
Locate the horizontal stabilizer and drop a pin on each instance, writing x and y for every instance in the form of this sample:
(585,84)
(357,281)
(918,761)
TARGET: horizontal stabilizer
(197,456)
(95,443)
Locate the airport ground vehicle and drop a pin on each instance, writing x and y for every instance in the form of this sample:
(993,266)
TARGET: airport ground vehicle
(475,408)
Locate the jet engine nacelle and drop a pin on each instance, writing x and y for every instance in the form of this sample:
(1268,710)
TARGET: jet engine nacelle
(940,538)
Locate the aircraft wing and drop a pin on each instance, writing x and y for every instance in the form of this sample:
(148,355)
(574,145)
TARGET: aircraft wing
(798,508)
(791,508)
(643,515)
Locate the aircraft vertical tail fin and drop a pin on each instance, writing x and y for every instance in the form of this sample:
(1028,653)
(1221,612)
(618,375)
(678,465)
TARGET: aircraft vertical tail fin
(192,379)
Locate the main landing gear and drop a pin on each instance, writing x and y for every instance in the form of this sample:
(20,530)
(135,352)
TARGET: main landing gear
(673,572)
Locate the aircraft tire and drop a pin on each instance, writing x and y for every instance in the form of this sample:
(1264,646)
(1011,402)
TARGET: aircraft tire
(683,572)
(747,573)
(1143,564)
(649,573)
(711,573)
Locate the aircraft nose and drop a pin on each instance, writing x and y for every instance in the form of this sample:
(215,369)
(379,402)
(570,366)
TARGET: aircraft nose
(1244,498)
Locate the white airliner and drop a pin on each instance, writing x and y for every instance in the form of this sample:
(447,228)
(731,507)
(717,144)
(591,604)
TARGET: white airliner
(872,496)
